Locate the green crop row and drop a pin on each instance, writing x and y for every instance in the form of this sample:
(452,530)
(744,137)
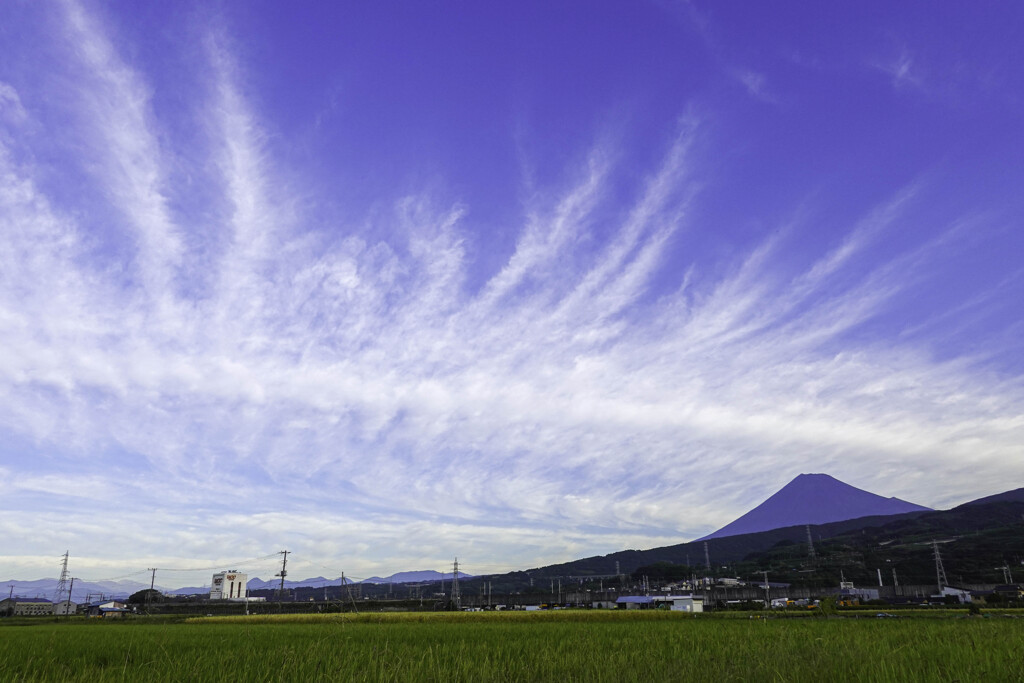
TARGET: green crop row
(576,616)
(560,646)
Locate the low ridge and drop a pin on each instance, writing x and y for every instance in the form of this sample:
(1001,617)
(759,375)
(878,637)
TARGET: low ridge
(1014,496)
(814,499)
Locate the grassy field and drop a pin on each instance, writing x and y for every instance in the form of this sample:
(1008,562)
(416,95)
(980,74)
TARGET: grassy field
(521,646)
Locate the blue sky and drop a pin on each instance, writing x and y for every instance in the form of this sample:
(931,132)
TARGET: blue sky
(387,283)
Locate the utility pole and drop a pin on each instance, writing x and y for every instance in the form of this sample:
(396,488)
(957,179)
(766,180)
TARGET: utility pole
(152,583)
(456,596)
(349,591)
(284,573)
(71,590)
(879,577)
(767,592)
(895,582)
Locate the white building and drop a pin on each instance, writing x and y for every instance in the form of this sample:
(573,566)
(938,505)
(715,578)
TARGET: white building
(686,603)
(964,596)
(25,607)
(64,608)
(228,586)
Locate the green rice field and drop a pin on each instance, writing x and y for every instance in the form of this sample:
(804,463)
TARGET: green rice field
(517,646)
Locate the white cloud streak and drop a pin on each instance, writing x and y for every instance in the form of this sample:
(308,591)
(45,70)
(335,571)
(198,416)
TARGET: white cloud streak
(356,389)
(902,70)
(120,119)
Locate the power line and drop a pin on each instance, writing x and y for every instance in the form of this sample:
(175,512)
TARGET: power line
(238,563)
(219,566)
(117,578)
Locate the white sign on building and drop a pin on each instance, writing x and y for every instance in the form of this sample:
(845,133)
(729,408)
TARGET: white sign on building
(228,586)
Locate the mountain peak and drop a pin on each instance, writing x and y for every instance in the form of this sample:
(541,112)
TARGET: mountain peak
(814,499)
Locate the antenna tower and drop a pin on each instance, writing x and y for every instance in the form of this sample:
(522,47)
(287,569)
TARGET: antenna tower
(62,585)
(456,596)
(940,572)
(810,545)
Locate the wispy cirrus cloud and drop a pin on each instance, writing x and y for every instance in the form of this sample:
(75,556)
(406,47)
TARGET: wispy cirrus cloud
(902,70)
(318,386)
(11,108)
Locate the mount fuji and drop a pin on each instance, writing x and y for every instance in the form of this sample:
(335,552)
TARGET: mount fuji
(814,499)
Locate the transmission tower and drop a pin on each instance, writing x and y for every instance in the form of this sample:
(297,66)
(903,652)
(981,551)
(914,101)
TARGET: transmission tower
(456,596)
(940,572)
(810,545)
(707,557)
(62,585)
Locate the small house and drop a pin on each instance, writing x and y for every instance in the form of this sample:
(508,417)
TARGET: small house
(634,602)
(685,603)
(109,609)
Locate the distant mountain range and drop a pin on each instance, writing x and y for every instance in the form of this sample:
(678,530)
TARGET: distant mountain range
(778,521)
(45,588)
(728,546)
(81,591)
(422,576)
(814,499)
